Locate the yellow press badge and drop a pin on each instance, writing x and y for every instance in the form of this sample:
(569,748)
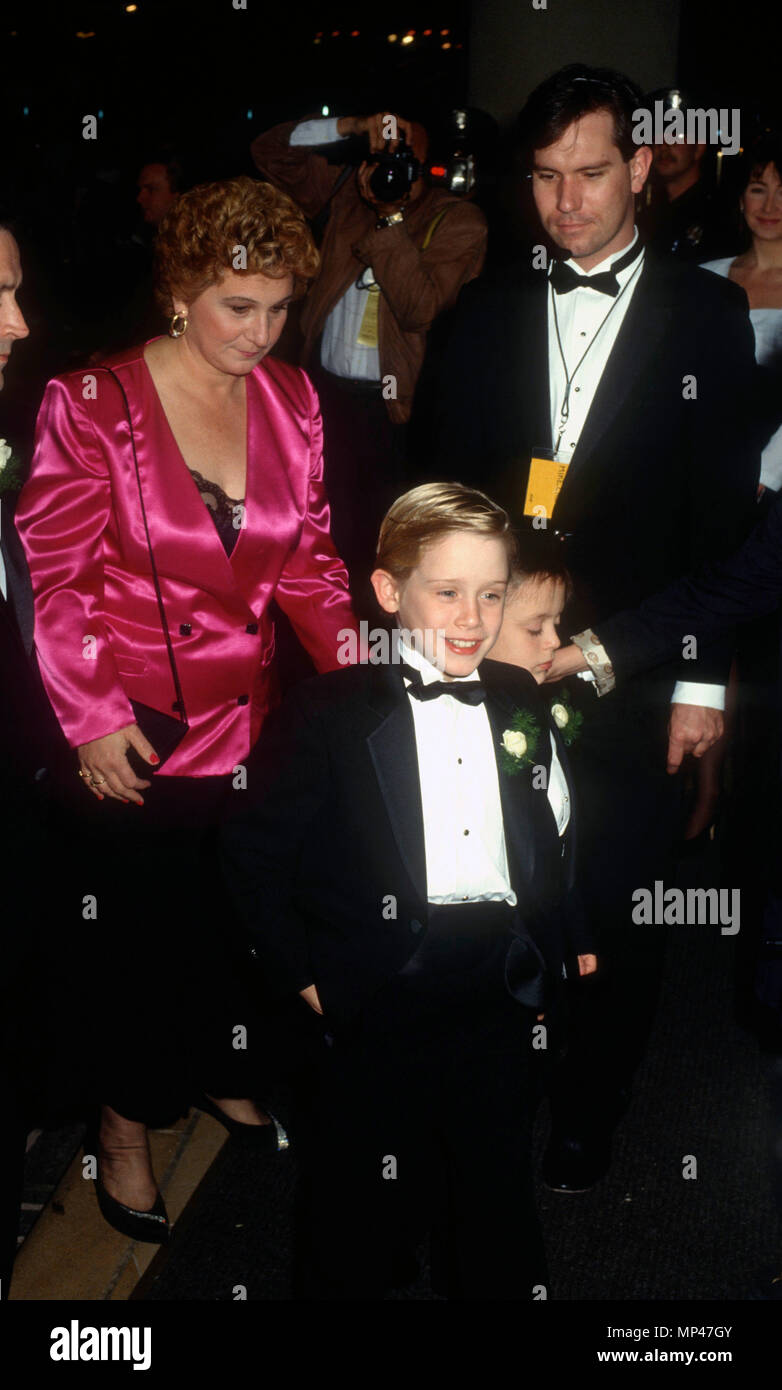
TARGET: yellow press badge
(367,333)
(547,473)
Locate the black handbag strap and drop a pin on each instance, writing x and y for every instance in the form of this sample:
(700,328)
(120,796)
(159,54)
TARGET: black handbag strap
(179,706)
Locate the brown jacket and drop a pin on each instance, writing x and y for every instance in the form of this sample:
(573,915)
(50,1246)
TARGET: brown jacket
(416,285)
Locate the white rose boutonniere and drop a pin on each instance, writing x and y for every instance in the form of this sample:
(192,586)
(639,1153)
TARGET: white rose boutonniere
(519,742)
(10,470)
(514,742)
(567,719)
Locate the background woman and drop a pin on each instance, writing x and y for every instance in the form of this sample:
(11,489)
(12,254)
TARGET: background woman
(758,270)
(216,448)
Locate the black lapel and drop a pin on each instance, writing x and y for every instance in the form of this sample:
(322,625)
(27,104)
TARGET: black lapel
(645,324)
(17,578)
(392,748)
(508,689)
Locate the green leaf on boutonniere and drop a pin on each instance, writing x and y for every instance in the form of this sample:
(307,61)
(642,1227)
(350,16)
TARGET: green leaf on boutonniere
(567,719)
(519,742)
(10,469)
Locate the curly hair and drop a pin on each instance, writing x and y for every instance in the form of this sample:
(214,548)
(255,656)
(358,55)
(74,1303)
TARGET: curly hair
(200,237)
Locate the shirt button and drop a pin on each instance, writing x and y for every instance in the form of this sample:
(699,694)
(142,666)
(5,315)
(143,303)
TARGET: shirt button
(459,761)
(578,388)
(416,926)
(466,832)
(243,700)
(185,629)
(252,628)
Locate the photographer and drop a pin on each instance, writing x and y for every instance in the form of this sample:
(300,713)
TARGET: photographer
(396,252)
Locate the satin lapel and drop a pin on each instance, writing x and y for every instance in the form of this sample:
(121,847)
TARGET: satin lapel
(183,535)
(515,788)
(392,748)
(645,324)
(17,579)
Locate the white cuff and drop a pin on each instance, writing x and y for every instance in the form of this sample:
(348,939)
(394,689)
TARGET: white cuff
(691,693)
(320,131)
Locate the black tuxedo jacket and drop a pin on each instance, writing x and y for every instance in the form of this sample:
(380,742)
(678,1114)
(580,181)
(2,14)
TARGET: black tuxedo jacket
(32,745)
(658,483)
(747,585)
(326,857)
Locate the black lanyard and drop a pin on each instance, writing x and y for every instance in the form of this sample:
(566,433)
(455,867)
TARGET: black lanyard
(564,413)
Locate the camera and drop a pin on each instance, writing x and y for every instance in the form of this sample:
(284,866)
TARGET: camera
(394,174)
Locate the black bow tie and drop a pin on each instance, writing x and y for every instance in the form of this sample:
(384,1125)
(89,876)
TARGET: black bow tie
(469,692)
(564,278)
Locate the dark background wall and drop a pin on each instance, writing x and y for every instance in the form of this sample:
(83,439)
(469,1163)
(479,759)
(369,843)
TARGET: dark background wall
(513,46)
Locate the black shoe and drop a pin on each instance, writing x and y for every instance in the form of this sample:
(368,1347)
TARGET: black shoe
(272,1138)
(152,1225)
(139,1225)
(575,1165)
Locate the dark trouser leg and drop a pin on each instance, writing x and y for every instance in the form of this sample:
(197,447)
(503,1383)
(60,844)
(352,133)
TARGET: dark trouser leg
(629,810)
(495,1247)
(421,1119)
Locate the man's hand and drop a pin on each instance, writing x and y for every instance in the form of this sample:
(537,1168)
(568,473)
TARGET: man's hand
(692,729)
(566,662)
(376,128)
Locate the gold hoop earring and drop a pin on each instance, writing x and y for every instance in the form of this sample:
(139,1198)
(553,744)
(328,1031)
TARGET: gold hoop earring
(177,326)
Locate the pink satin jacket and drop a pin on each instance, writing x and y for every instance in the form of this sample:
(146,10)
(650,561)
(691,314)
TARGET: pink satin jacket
(97,625)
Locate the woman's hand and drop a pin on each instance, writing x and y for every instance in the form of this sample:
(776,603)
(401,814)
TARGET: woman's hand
(566,662)
(310,996)
(105,769)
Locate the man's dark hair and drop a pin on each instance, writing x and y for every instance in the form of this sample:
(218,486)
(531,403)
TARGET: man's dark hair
(571,93)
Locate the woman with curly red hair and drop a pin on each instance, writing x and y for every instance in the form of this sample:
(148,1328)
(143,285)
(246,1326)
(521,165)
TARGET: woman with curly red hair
(175,491)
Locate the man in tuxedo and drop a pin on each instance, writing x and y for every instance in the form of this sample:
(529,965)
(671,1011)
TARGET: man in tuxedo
(635,376)
(31,748)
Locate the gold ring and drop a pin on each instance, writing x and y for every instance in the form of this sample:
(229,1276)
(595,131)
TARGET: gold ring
(98,780)
(86,775)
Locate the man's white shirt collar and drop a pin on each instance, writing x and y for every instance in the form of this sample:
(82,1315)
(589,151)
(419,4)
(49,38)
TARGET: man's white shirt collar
(607,263)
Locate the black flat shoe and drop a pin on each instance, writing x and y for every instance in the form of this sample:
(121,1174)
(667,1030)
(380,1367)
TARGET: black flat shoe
(139,1225)
(270,1138)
